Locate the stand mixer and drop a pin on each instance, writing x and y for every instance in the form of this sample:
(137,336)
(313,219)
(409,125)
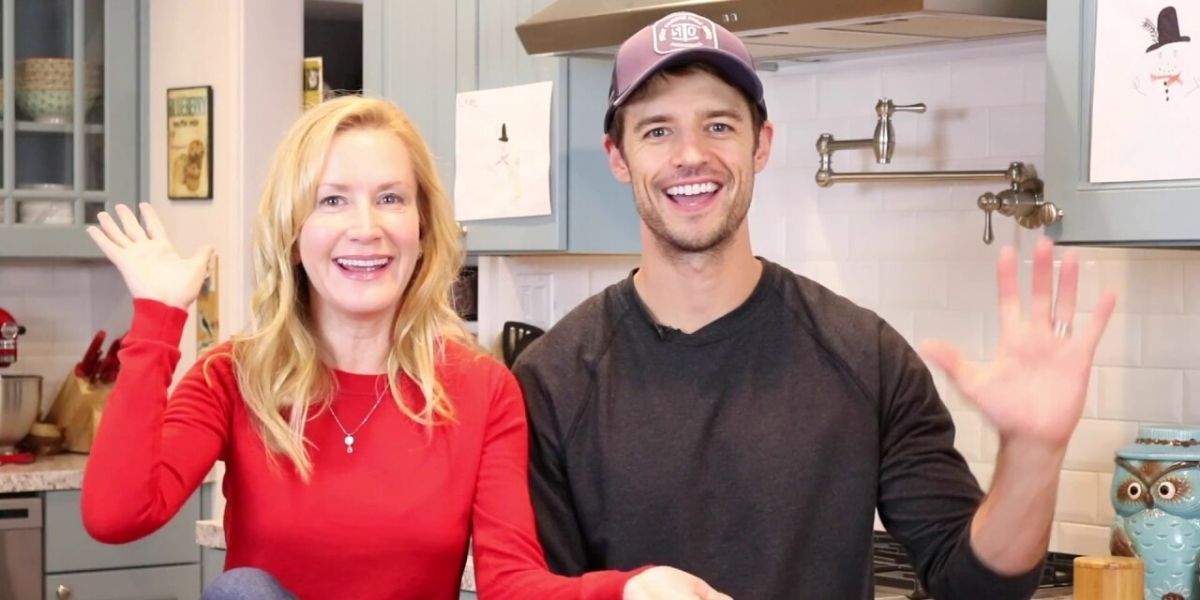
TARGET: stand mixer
(20,395)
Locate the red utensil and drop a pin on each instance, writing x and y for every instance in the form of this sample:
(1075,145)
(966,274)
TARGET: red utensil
(106,371)
(86,368)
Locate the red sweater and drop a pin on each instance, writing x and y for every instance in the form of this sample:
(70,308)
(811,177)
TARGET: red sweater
(390,520)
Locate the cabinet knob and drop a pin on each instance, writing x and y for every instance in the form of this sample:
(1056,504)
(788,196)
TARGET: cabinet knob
(63,592)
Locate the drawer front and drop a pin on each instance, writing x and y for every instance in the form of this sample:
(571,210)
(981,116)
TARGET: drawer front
(70,548)
(156,583)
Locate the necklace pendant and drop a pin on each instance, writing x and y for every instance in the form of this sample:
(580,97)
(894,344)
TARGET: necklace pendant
(349,440)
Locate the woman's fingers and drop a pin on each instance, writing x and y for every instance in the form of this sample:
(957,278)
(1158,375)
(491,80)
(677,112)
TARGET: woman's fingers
(113,231)
(110,249)
(129,222)
(1068,290)
(154,227)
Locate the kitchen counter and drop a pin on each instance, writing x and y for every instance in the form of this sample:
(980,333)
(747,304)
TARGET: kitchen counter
(46,473)
(52,473)
(211,534)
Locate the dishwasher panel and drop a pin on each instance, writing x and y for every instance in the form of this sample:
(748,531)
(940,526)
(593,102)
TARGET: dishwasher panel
(21,547)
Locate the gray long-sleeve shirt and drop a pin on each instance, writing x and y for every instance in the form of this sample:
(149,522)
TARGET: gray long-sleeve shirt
(752,452)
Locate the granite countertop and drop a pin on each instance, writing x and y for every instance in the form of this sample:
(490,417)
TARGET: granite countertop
(46,473)
(52,473)
(211,534)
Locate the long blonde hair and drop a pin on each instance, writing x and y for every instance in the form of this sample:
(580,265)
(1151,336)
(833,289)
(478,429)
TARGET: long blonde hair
(278,372)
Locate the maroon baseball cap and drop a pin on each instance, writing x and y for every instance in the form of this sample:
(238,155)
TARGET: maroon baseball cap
(675,39)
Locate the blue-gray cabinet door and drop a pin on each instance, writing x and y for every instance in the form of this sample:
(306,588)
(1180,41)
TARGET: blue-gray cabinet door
(158,583)
(69,548)
(59,171)
(1158,213)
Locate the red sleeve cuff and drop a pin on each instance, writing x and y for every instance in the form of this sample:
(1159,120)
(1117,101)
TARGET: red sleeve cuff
(153,320)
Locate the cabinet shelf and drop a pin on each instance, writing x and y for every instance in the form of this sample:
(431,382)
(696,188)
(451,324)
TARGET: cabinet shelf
(66,128)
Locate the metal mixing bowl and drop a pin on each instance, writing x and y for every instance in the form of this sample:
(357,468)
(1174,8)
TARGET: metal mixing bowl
(20,405)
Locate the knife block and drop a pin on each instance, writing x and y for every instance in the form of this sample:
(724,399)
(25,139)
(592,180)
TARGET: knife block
(77,411)
(1109,578)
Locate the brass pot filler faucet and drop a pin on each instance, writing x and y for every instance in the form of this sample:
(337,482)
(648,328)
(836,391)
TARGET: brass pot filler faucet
(1022,200)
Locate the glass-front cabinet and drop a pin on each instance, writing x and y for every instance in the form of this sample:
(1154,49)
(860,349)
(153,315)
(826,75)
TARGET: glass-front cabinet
(69,143)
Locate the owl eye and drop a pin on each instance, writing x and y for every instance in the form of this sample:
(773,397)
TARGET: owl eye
(1166,490)
(1133,490)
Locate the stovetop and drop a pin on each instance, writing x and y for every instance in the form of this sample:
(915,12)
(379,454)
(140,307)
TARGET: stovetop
(894,576)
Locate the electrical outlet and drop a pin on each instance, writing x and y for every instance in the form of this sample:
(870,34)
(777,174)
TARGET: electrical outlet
(535,294)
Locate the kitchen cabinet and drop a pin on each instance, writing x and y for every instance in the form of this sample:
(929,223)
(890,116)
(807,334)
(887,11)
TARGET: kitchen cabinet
(1158,213)
(160,583)
(421,54)
(69,132)
(165,564)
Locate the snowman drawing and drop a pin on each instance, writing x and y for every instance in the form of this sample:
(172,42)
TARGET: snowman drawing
(506,170)
(1165,72)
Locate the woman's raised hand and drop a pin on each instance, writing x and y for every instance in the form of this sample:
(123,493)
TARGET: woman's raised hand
(151,267)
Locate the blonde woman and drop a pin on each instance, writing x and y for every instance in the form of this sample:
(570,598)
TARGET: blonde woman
(364,439)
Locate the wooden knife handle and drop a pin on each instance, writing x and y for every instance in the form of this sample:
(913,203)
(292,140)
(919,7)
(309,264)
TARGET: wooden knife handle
(1108,578)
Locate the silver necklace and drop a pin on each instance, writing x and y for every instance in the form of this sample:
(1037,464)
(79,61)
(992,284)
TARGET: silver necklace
(349,439)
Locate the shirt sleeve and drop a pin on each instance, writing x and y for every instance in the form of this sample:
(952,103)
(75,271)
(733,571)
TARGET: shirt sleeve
(150,454)
(927,494)
(508,558)
(553,505)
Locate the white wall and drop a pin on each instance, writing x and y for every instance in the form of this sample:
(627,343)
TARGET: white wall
(913,252)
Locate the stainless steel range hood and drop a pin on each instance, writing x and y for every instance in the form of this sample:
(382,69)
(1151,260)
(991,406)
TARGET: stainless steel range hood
(785,29)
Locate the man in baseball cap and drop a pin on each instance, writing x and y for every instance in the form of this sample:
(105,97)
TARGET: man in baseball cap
(718,413)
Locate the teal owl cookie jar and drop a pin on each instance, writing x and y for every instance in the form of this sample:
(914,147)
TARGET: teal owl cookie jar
(1156,494)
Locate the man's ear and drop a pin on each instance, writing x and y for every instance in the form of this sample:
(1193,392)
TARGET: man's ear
(763,152)
(616,160)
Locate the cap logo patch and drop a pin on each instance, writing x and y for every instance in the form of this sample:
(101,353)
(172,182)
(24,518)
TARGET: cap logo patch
(683,32)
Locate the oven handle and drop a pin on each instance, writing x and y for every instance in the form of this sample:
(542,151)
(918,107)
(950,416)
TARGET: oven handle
(20,513)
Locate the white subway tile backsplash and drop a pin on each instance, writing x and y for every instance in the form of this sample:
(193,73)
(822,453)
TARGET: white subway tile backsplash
(1191,398)
(916,197)
(768,232)
(812,234)
(957,234)
(1104,508)
(1077,538)
(1141,394)
(1191,287)
(910,84)
(1076,499)
(798,92)
(882,236)
(960,134)
(913,284)
(858,282)
(1171,341)
(849,93)
(1034,66)
(1146,287)
(987,82)
(1008,137)
(1121,344)
(963,329)
(1093,444)
(972,286)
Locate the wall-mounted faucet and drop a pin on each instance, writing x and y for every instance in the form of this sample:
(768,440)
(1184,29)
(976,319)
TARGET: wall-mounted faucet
(1022,200)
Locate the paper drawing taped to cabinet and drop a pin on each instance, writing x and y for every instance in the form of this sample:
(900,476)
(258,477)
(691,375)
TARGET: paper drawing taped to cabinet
(502,152)
(1146,91)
